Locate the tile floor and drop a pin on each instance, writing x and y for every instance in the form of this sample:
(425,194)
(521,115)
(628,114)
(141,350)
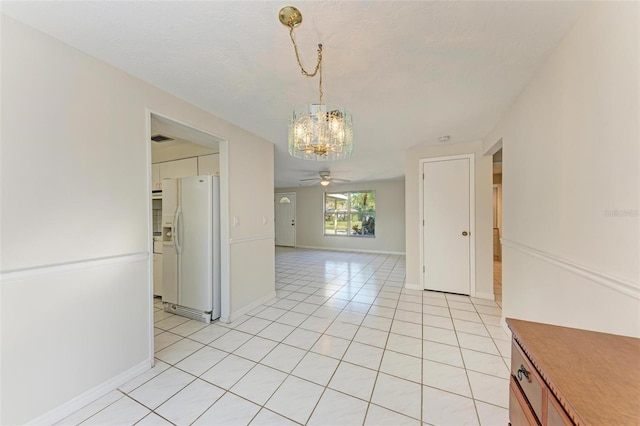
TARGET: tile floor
(342,344)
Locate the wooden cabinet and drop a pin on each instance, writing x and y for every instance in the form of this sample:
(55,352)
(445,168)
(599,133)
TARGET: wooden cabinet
(566,376)
(520,412)
(208,164)
(526,378)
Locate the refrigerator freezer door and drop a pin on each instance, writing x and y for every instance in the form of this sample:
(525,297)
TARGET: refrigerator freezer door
(169,200)
(195,231)
(169,273)
(170,256)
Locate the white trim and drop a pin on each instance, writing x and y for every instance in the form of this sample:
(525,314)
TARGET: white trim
(22,273)
(413,286)
(495,147)
(483,295)
(505,327)
(401,253)
(250,307)
(472,214)
(225,249)
(150,239)
(69,407)
(621,285)
(250,239)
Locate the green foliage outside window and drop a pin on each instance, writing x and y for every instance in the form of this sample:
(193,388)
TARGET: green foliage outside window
(350,213)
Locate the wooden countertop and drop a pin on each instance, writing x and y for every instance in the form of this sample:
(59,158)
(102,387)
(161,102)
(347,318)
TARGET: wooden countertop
(595,376)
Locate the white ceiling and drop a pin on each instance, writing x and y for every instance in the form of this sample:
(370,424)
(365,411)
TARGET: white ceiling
(409,71)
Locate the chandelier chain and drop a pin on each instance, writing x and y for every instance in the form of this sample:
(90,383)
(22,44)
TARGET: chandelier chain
(318,68)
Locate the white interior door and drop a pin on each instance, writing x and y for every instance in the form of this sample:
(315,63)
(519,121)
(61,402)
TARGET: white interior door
(285,219)
(447,226)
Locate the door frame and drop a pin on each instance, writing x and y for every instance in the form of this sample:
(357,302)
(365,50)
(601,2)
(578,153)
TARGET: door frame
(295,218)
(472,215)
(225,252)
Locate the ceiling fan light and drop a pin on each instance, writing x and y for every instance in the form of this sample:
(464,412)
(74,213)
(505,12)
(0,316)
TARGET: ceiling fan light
(324,182)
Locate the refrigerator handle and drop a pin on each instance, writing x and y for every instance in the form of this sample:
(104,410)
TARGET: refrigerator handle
(177,233)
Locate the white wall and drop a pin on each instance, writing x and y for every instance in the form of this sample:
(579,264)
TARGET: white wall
(75,209)
(483,211)
(251,240)
(390,230)
(570,192)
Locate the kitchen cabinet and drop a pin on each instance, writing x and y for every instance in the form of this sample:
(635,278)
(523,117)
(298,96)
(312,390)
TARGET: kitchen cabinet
(208,164)
(157,274)
(179,168)
(156,181)
(567,376)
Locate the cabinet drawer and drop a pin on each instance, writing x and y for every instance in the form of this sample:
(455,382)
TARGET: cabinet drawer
(520,413)
(527,377)
(556,415)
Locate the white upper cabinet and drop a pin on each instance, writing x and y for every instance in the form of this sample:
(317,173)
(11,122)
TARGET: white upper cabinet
(179,168)
(208,164)
(194,166)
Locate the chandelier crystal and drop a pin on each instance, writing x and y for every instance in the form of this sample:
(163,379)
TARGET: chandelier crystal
(317,131)
(320,132)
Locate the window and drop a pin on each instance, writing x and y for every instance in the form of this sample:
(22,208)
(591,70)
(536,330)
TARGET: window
(285,200)
(350,214)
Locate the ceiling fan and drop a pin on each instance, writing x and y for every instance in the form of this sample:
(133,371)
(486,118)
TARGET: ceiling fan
(325,179)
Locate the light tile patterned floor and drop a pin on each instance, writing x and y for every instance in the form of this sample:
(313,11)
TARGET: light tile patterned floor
(342,344)
(497,281)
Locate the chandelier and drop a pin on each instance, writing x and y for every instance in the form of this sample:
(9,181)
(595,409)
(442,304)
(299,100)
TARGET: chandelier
(319,131)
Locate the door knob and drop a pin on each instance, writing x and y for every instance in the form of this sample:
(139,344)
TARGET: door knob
(465,233)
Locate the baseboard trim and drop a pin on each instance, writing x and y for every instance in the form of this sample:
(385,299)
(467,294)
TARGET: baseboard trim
(483,295)
(623,286)
(400,253)
(91,395)
(243,311)
(505,327)
(409,286)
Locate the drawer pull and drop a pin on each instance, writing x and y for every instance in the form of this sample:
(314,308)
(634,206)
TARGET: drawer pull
(523,372)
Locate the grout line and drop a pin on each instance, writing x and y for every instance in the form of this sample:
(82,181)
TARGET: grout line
(374,275)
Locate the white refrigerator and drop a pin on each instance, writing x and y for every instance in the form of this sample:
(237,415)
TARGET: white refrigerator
(191,247)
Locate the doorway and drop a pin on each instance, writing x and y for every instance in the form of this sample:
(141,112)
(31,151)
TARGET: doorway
(448,254)
(178,150)
(497,226)
(285,217)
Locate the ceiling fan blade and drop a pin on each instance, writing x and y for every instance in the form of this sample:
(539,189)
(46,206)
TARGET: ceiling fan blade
(340,180)
(301,180)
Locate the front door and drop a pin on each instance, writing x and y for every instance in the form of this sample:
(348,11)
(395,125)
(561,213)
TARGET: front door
(447,224)
(285,219)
